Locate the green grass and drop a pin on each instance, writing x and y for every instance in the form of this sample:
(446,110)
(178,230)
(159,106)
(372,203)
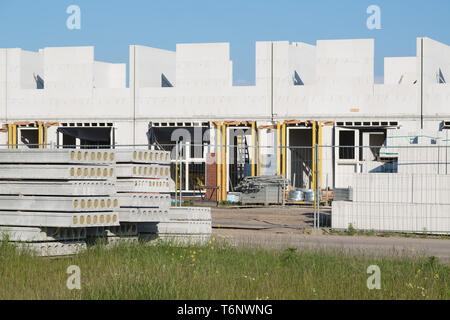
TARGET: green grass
(351,231)
(217,271)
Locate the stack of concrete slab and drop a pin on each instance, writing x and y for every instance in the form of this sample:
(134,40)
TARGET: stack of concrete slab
(143,185)
(49,199)
(396,202)
(186,225)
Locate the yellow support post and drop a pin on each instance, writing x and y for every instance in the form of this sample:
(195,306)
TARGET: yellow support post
(218,175)
(258,167)
(40,139)
(278,148)
(224,163)
(283,145)
(253,148)
(9,136)
(14,135)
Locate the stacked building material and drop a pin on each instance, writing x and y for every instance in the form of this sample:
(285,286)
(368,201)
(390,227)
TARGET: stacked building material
(49,199)
(418,152)
(400,202)
(143,188)
(186,225)
(262,189)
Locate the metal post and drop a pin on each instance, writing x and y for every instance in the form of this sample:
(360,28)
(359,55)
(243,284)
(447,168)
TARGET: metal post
(253,149)
(317,186)
(283,150)
(218,162)
(176,173)
(278,148)
(181,175)
(314,170)
(224,162)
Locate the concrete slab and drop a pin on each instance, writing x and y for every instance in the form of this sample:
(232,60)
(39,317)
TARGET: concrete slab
(144,200)
(154,171)
(56,172)
(49,156)
(175,239)
(31,234)
(143,185)
(58,204)
(142,156)
(142,215)
(58,219)
(51,249)
(180,227)
(189,213)
(67,188)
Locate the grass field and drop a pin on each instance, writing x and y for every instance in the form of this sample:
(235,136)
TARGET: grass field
(217,271)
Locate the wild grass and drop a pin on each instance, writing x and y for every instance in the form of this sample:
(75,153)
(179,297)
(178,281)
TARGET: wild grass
(217,271)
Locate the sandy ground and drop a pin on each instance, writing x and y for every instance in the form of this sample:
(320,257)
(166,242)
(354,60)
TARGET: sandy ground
(290,227)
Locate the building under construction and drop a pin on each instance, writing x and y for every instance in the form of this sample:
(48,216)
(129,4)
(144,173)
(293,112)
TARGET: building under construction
(304,95)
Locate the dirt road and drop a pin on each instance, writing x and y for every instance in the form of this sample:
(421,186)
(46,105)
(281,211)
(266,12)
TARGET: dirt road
(285,227)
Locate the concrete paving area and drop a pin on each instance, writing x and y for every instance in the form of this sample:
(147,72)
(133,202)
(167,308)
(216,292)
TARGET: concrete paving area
(290,227)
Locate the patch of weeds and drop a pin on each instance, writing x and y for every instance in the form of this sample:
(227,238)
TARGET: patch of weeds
(351,231)
(187,203)
(289,256)
(228,203)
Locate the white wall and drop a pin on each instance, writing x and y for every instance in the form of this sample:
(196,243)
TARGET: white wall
(345,63)
(401,70)
(302,57)
(3,84)
(338,77)
(110,75)
(436,56)
(31,64)
(205,65)
(149,64)
(69,68)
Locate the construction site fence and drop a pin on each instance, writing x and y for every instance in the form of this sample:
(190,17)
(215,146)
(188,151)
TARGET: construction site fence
(378,184)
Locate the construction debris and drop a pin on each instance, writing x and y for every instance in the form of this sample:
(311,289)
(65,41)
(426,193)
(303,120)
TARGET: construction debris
(262,189)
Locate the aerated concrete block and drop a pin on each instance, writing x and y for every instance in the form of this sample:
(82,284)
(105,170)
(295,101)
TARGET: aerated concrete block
(393,217)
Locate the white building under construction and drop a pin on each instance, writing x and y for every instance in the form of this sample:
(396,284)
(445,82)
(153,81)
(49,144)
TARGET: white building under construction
(303,95)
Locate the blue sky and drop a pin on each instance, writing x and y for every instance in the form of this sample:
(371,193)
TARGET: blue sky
(112,25)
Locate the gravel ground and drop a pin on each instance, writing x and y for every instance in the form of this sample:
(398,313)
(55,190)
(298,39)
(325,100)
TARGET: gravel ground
(283,227)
